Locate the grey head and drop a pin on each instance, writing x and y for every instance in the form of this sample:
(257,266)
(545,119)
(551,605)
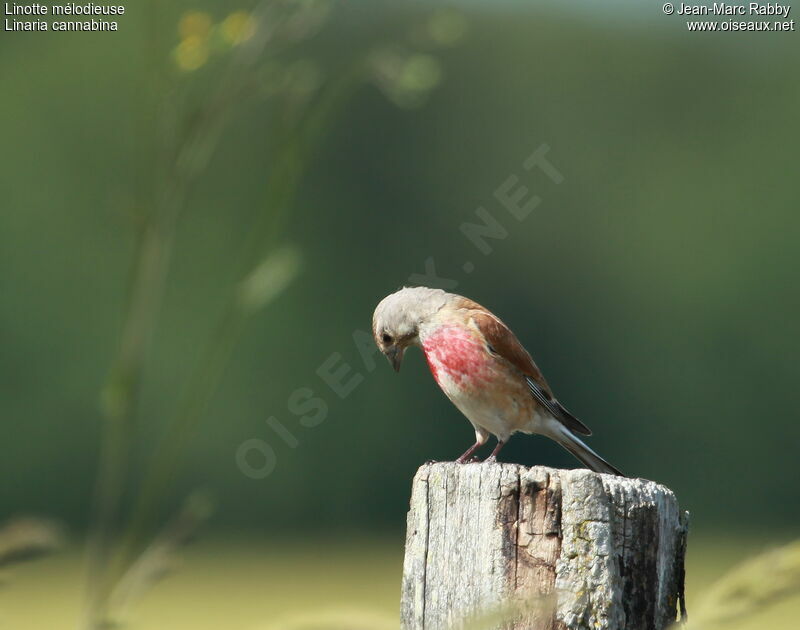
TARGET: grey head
(395,324)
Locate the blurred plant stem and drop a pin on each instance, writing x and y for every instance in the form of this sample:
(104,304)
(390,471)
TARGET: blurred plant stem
(282,185)
(120,398)
(145,289)
(159,558)
(152,254)
(162,185)
(176,146)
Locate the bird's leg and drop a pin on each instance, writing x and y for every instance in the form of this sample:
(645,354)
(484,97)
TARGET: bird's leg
(481,436)
(493,456)
(465,458)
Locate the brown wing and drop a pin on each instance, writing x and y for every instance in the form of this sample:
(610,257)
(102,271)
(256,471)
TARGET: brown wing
(502,342)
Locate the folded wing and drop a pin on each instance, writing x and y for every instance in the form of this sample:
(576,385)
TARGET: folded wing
(503,343)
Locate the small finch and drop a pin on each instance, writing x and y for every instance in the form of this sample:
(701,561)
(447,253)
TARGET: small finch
(481,367)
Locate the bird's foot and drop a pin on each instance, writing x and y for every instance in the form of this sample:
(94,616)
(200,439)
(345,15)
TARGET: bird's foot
(492,459)
(470,460)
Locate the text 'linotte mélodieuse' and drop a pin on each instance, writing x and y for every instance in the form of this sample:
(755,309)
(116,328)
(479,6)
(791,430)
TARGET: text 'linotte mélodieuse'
(65,17)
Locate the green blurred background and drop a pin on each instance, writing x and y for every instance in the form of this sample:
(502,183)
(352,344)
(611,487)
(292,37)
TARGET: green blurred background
(655,286)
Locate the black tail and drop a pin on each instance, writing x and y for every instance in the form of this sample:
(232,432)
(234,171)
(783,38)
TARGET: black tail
(583,453)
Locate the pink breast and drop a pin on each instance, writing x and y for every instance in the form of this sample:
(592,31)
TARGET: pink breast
(455,352)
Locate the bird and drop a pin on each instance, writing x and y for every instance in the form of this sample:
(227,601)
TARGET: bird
(483,369)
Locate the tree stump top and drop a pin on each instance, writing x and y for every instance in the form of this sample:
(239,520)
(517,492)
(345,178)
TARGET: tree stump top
(607,550)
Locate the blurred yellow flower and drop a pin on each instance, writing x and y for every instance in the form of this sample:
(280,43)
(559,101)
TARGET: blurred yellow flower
(238,27)
(195,24)
(191,53)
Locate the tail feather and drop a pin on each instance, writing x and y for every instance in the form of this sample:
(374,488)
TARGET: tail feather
(582,452)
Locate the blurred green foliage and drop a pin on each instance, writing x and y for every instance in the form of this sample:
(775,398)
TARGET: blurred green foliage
(654,286)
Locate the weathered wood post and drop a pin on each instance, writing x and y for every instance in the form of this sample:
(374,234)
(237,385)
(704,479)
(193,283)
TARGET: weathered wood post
(590,551)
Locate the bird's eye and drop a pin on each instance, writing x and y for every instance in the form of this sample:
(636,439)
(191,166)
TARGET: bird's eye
(387,338)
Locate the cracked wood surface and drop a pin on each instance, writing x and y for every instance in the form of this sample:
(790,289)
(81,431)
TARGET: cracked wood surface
(483,538)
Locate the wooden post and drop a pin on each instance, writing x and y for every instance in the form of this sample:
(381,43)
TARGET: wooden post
(541,549)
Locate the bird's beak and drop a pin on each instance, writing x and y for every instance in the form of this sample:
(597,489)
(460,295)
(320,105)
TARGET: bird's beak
(395,356)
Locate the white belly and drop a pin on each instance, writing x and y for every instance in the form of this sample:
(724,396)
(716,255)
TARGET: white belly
(489,405)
